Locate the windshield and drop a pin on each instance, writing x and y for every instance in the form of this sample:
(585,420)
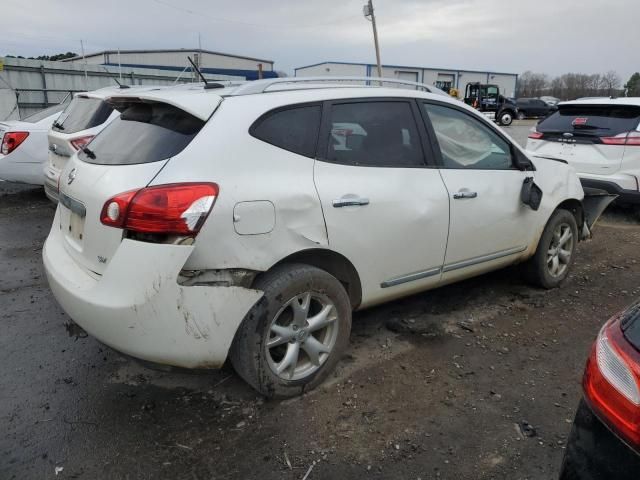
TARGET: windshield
(143,133)
(597,120)
(81,114)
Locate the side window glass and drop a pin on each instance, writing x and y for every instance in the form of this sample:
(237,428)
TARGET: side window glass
(376,134)
(294,129)
(465,143)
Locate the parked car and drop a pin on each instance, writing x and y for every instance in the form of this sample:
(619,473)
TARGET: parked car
(243,221)
(83,119)
(552,101)
(23,150)
(600,138)
(605,438)
(533,107)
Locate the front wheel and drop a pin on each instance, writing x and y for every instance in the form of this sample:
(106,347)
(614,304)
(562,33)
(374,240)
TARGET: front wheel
(550,265)
(521,116)
(296,334)
(505,118)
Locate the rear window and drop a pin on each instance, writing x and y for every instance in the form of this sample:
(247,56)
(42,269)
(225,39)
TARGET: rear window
(81,114)
(47,112)
(294,129)
(143,133)
(598,120)
(631,325)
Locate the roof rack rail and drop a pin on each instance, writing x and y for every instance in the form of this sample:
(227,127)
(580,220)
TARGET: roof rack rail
(261,86)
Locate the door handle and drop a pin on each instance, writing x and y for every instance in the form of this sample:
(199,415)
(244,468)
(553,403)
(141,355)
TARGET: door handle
(350,201)
(464,194)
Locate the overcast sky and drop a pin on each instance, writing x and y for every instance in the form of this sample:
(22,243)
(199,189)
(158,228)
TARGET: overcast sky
(550,36)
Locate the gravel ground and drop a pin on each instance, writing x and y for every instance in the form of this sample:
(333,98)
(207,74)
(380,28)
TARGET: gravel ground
(477,380)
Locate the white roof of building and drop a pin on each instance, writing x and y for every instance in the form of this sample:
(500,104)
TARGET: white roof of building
(170,50)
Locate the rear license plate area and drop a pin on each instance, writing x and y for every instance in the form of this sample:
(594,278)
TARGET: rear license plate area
(72,216)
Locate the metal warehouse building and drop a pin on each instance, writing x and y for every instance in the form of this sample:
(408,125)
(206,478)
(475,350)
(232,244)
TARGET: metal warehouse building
(176,60)
(441,77)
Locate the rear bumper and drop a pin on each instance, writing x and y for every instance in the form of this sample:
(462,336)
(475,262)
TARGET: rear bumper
(138,308)
(625,195)
(51,177)
(594,452)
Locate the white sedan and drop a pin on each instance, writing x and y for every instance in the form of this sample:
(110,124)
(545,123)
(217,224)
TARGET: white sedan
(24,146)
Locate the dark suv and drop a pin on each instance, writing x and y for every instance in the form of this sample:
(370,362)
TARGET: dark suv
(533,107)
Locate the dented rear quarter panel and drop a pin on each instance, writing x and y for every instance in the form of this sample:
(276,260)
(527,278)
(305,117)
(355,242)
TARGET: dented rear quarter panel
(247,169)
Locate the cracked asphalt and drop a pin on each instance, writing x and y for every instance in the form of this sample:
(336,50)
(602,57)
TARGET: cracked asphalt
(477,380)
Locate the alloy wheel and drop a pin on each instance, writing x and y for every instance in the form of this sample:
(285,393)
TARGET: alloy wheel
(301,336)
(560,250)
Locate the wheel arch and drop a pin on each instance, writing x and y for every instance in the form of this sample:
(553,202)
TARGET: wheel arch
(575,207)
(334,263)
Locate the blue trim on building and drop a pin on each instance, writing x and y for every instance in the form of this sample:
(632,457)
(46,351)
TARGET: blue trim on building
(444,70)
(248,74)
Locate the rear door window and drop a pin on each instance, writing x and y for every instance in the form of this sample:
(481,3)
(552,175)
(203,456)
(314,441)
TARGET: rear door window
(591,120)
(293,128)
(375,134)
(143,133)
(81,114)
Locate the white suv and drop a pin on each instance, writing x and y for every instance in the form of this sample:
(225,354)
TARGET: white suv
(83,119)
(600,138)
(251,221)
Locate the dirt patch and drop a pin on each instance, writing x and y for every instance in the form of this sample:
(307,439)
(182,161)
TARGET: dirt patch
(477,380)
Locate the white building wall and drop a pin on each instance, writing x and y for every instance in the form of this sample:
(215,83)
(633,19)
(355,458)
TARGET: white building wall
(428,76)
(332,69)
(177,59)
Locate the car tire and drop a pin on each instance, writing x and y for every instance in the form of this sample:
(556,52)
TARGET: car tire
(506,118)
(521,116)
(283,324)
(551,263)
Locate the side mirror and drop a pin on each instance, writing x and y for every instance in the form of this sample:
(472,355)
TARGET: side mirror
(522,161)
(531,194)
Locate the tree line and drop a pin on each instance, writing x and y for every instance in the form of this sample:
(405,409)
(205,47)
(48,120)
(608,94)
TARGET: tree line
(53,58)
(570,86)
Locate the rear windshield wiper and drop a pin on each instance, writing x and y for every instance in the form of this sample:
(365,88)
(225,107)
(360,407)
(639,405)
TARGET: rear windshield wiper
(89,153)
(58,126)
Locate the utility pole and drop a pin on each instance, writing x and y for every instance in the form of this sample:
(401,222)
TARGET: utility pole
(84,60)
(368,12)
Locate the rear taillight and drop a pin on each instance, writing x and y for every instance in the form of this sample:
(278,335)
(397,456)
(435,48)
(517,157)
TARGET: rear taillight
(536,135)
(174,209)
(81,142)
(626,138)
(11,141)
(611,382)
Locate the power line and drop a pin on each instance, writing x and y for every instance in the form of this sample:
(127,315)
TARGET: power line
(250,24)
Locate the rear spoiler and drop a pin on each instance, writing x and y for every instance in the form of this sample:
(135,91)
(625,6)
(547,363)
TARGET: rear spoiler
(594,203)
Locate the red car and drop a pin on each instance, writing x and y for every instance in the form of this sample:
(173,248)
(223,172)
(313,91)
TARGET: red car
(605,439)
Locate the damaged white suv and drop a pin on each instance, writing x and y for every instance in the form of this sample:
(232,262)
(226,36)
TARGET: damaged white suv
(250,221)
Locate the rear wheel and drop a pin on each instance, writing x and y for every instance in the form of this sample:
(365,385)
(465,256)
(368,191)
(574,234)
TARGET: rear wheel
(295,335)
(505,118)
(550,265)
(521,116)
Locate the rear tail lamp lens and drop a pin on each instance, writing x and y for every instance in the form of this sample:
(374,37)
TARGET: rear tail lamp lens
(611,382)
(11,141)
(174,209)
(536,135)
(81,142)
(626,138)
